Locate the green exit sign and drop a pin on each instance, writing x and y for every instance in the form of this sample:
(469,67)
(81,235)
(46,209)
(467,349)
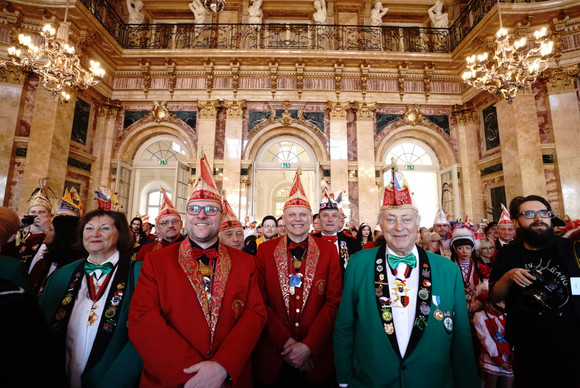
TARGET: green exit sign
(163,162)
(410,167)
(285,165)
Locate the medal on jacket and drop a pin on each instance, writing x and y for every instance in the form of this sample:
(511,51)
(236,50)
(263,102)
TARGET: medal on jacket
(295,281)
(438,314)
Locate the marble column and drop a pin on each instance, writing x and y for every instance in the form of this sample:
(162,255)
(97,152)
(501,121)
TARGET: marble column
(472,195)
(48,145)
(565,118)
(233,152)
(206,128)
(104,140)
(521,151)
(11,92)
(368,197)
(338,145)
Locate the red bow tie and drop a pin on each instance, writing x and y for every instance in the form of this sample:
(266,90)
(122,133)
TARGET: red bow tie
(332,239)
(294,245)
(211,253)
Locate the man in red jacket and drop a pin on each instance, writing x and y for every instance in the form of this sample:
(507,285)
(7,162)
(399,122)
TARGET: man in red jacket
(197,311)
(299,276)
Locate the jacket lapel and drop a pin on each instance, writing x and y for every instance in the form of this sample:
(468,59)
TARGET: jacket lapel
(423,308)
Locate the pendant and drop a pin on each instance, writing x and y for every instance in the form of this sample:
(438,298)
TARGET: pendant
(93,317)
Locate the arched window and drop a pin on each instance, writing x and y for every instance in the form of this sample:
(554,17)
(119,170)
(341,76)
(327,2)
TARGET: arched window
(164,150)
(286,151)
(411,154)
(280,196)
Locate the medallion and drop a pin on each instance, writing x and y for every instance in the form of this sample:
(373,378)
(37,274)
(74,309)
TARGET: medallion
(387,315)
(448,323)
(425,308)
(423,294)
(438,314)
(426,283)
(379,261)
(380,268)
(389,328)
(67,299)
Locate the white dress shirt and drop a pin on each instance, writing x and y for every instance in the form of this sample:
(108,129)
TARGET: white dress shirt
(80,336)
(404,317)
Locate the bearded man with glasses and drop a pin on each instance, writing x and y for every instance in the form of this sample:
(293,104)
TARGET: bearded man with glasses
(197,311)
(538,275)
(168,224)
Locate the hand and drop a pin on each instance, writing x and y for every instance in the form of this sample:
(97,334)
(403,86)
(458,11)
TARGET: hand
(296,354)
(210,374)
(308,365)
(506,366)
(521,277)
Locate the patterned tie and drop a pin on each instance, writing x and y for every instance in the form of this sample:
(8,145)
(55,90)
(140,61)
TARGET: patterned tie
(394,260)
(332,239)
(105,269)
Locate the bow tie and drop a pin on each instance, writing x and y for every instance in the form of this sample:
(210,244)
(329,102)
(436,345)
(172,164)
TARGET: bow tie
(90,268)
(332,239)
(301,245)
(211,253)
(394,260)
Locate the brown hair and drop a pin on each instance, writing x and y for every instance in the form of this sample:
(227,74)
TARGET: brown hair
(9,223)
(126,239)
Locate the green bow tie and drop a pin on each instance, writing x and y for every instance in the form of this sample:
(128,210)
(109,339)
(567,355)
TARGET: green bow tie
(90,268)
(394,261)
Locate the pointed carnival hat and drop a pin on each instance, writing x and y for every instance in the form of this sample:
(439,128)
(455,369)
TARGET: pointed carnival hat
(328,201)
(71,201)
(205,188)
(480,232)
(145,219)
(397,193)
(229,218)
(167,207)
(106,199)
(441,217)
(39,196)
(297,196)
(469,223)
(505,218)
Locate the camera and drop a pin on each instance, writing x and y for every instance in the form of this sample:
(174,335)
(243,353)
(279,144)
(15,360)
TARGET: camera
(27,220)
(546,293)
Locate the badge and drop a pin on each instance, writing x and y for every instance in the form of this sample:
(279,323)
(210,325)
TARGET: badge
(387,315)
(67,299)
(438,314)
(120,286)
(425,308)
(379,261)
(426,273)
(381,277)
(292,290)
(423,294)
(421,322)
(109,325)
(295,281)
(93,317)
(379,291)
(379,268)
(426,283)
(110,313)
(389,328)
(448,323)
(384,301)
(60,314)
(115,300)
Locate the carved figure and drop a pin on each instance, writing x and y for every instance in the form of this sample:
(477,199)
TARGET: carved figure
(320,15)
(377,14)
(198,11)
(255,12)
(136,14)
(439,19)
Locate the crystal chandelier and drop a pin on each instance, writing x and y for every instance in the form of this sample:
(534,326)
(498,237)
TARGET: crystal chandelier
(514,67)
(214,6)
(55,62)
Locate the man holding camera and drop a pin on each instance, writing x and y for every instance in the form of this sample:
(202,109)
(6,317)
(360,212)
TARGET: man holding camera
(539,277)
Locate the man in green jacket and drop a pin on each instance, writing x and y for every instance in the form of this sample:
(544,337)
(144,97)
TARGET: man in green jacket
(402,321)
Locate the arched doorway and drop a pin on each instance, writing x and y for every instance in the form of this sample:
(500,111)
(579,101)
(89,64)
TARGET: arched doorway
(160,162)
(420,166)
(273,170)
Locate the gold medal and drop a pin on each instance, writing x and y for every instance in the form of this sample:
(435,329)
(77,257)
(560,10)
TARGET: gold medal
(438,314)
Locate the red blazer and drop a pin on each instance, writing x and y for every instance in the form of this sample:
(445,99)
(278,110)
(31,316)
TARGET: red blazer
(155,245)
(168,327)
(313,325)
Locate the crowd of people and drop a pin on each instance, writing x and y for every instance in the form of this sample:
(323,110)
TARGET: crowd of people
(299,300)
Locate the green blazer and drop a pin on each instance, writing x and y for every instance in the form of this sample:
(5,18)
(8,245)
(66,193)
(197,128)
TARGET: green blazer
(440,351)
(14,270)
(114,361)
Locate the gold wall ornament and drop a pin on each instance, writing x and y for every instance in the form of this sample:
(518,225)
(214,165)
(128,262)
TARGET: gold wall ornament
(146,74)
(364,74)
(160,112)
(300,77)
(338,109)
(286,118)
(338,69)
(412,116)
(515,65)
(208,66)
(464,114)
(560,79)
(235,109)
(365,110)
(273,65)
(429,70)
(208,109)
(401,73)
(109,108)
(55,61)
(171,68)
(235,69)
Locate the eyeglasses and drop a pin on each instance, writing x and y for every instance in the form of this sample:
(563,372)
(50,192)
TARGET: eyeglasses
(530,214)
(267,226)
(167,222)
(194,210)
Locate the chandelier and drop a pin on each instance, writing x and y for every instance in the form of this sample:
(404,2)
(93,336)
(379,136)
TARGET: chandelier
(514,66)
(214,6)
(55,62)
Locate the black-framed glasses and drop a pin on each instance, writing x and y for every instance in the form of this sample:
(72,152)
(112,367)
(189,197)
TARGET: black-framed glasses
(167,222)
(194,210)
(530,214)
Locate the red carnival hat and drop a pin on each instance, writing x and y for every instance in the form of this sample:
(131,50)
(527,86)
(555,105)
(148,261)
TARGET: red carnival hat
(167,207)
(297,196)
(505,218)
(205,189)
(229,218)
(397,195)
(328,202)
